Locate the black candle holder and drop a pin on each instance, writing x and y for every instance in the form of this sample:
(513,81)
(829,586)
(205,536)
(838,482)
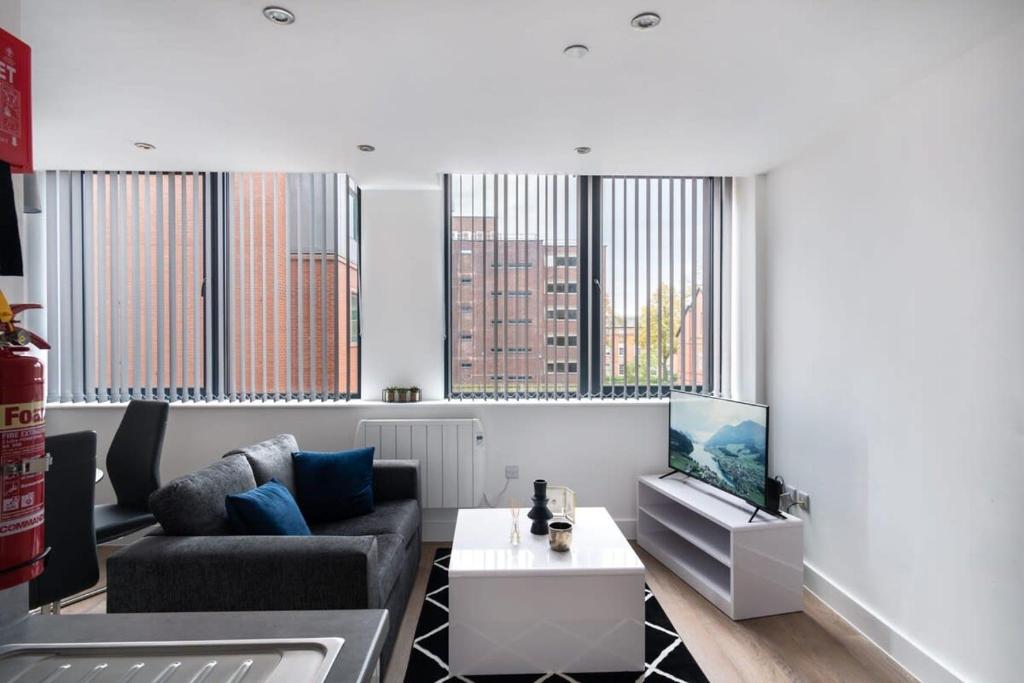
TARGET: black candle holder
(540,513)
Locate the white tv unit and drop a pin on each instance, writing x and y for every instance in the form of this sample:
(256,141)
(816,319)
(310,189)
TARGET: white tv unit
(746,569)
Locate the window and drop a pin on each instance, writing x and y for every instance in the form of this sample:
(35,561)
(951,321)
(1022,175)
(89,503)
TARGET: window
(561,287)
(562,313)
(353,317)
(518,223)
(201,287)
(561,340)
(635,275)
(559,366)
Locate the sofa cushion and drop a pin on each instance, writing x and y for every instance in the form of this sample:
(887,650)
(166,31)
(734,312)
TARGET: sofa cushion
(271,459)
(268,510)
(193,505)
(401,517)
(336,485)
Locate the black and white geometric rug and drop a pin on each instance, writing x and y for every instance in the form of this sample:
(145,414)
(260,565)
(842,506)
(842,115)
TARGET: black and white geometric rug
(666,660)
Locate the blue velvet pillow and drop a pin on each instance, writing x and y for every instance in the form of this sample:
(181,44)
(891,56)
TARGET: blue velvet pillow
(333,486)
(267,510)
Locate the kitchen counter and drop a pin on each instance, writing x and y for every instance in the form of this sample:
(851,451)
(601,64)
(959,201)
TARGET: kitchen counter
(363,631)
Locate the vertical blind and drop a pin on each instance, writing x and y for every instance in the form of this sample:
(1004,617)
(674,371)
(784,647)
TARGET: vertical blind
(512,248)
(589,286)
(665,284)
(201,286)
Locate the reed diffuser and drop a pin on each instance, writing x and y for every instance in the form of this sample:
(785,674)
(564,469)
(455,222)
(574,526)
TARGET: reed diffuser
(514,506)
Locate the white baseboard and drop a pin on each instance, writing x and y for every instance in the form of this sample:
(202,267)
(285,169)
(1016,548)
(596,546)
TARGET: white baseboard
(905,652)
(443,530)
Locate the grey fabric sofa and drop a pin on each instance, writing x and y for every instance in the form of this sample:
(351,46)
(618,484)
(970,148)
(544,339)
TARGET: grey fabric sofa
(194,564)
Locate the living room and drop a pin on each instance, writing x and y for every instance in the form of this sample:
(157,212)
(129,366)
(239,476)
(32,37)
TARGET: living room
(509,242)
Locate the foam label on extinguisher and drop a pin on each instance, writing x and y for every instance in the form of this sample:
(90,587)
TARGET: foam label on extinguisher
(22,437)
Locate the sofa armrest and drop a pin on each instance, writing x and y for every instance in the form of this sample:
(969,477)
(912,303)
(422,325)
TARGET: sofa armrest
(396,480)
(228,573)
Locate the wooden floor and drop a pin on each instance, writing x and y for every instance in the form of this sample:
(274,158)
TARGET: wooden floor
(807,647)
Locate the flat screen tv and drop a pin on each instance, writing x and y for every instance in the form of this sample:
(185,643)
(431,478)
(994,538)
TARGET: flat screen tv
(721,442)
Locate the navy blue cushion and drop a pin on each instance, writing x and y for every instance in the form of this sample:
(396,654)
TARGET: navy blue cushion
(268,510)
(334,486)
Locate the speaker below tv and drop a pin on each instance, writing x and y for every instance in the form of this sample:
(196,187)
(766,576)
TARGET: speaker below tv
(723,443)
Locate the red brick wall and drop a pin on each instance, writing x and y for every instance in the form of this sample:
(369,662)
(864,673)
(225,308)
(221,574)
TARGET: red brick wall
(262,288)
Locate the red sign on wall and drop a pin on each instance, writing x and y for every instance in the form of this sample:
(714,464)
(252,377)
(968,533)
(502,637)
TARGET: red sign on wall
(15,103)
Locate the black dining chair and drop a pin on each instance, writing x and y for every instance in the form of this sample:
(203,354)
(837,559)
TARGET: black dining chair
(133,465)
(72,565)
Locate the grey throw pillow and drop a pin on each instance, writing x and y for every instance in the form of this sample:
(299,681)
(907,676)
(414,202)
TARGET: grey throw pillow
(271,459)
(193,505)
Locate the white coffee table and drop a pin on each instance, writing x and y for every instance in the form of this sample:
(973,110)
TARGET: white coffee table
(529,609)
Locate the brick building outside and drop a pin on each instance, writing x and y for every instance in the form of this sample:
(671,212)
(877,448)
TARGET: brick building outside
(514,315)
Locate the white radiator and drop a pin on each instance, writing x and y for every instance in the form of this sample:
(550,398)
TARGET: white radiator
(450,453)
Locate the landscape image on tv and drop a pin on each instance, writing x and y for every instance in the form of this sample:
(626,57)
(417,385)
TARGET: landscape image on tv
(721,442)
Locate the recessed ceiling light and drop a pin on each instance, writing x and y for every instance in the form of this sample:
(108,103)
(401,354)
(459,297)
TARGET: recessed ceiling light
(576,51)
(279,15)
(147,146)
(645,21)
(583,150)
(365,148)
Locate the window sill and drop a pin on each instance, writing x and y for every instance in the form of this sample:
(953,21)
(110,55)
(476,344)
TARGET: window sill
(365,403)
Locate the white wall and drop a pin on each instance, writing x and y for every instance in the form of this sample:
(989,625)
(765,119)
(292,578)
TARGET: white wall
(747,289)
(597,448)
(895,363)
(403,291)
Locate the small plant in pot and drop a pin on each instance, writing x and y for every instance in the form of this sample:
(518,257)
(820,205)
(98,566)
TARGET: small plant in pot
(401,395)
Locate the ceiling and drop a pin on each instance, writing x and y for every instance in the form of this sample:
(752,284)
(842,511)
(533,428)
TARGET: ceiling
(722,86)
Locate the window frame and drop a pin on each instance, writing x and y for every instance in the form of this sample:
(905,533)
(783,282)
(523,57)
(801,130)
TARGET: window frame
(216,313)
(589,318)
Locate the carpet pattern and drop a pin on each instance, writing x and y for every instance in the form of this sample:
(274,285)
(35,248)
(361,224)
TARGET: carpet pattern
(666,659)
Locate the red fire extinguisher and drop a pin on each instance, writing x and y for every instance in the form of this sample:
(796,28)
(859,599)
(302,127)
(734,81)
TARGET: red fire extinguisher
(23,458)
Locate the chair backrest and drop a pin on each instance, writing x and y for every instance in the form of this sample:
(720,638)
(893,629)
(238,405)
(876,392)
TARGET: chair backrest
(133,461)
(72,565)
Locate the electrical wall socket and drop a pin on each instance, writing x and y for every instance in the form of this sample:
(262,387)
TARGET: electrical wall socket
(793,496)
(511,471)
(787,498)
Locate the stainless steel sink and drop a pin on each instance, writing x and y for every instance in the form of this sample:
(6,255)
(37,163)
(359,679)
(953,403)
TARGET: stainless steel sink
(195,661)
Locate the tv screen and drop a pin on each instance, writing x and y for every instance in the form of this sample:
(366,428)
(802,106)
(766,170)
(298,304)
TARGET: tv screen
(721,442)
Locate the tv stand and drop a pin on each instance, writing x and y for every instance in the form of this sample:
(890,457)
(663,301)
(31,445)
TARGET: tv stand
(746,565)
(671,472)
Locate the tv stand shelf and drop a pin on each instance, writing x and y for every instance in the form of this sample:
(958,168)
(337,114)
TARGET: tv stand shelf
(746,569)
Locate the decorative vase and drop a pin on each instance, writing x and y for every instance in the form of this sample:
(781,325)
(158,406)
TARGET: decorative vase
(539,513)
(560,539)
